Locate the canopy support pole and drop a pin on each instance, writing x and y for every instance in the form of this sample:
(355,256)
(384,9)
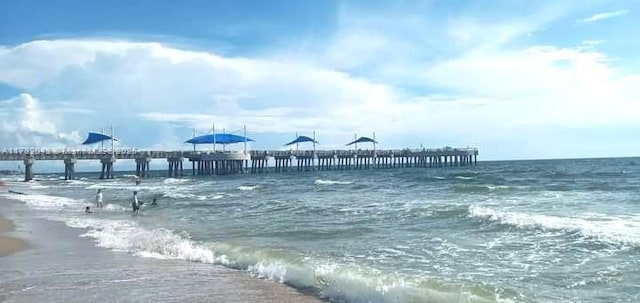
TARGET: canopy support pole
(112,139)
(374,142)
(102,142)
(355,138)
(194,135)
(213,130)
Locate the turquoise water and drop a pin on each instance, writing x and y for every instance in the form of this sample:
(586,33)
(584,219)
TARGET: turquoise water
(522,231)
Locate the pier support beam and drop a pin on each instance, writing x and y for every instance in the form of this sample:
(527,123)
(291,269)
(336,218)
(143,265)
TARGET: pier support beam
(28,168)
(175,166)
(70,168)
(107,167)
(142,166)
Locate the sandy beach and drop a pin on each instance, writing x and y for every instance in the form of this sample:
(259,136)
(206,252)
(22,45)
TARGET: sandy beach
(9,245)
(60,266)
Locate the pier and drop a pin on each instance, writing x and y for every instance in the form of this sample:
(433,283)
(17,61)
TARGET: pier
(251,162)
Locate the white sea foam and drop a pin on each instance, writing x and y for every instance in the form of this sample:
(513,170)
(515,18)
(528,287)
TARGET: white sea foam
(114,207)
(245,188)
(339,282)
(127,236)
(615,230)
(128,186)
(77,182)
(48,202)
(464,178)
(174,181)
(12,178)
(331,182)
(179,195)
(39,186)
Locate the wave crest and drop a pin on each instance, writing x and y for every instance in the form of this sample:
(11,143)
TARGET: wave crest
(613,230)
(246,188)
(331,182)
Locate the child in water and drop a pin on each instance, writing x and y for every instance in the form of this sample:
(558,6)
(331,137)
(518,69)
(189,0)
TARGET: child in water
(135,205)
(99,199)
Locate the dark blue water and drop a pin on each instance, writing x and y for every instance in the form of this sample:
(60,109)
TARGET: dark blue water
(523,231)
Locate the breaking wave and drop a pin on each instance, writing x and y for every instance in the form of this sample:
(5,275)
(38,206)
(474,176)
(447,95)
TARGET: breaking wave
(331,182)
(613,230)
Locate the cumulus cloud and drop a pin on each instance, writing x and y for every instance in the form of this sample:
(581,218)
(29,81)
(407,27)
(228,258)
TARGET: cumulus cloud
(138,83)
(26,124)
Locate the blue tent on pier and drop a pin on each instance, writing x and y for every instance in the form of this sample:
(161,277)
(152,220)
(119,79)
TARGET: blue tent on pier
(302,139)
(97,137)
(362,140)
(223,139)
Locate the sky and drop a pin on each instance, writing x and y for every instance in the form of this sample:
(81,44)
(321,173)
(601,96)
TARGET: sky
(517,79)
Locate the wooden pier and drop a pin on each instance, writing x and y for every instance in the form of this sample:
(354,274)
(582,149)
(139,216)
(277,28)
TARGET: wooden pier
(257,161)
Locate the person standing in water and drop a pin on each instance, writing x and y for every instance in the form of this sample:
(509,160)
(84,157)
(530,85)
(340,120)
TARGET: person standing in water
(99,199)
(135,205)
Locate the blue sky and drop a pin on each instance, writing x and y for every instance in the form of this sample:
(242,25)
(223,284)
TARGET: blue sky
(518,79)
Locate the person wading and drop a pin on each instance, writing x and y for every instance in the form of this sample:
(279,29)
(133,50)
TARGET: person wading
(99,199)
(135,205)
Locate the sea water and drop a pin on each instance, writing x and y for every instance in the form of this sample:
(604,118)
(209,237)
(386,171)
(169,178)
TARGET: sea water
(520,231)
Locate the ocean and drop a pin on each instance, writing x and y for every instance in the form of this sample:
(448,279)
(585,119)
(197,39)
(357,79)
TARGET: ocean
(513,231)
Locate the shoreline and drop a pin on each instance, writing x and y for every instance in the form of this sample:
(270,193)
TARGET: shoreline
(61,266)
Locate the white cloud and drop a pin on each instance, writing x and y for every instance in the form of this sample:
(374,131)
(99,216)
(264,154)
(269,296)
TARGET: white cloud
(605,15)
(26,124)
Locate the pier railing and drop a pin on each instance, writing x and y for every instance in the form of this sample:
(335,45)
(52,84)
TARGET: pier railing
(62,154)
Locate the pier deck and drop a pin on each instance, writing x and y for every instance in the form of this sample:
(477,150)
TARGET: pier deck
(255,161)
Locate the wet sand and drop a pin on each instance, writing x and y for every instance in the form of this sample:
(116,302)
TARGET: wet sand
(60,266)
(9,245)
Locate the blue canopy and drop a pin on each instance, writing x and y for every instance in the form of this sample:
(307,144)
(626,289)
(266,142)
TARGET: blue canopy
(362,140)
(302,139)
(218,139)
(95,138)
